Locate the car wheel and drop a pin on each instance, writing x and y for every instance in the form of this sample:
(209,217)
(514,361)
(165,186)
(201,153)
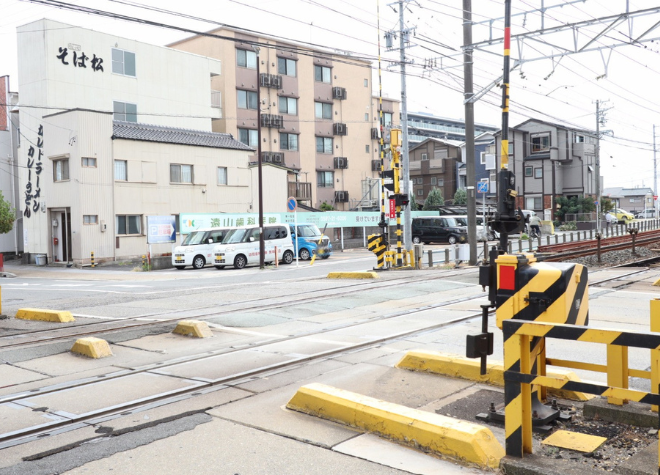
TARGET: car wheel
(180,267)
(304,254)
(325,256)
(416,240)
(287,258)
(199,262)
(452,239)
(240,261)
(219,267)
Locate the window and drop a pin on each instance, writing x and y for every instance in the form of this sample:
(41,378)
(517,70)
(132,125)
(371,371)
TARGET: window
(123,62)
(124,111)
(387,119)
(434,180)
(275,232)
(121,170)
(366,148)
(246,59)
(90,219)
(579,139)
(540,143)
(181,173)
(534,203)
(325,179)
(322,74)
(88,162)
(323,110)
(366,117)
(289,142)
(129,224)
(323,145)
(420,180)
(366,83)
(286,66)
(420,192)
(248,137)
(247,99)
(425,156)
(61,170)
(538,173)
(482,158)
(529,171)
(288,105)
(222,175)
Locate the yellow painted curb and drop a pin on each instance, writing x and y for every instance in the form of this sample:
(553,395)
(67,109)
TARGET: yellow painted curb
(470,369)
(194,328)
(45,315)
(431,432)
(353,275)
(91,347)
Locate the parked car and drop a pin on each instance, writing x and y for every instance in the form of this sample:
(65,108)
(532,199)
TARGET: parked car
(645,214)
(197,248)
(308,240)
(429,229)
(623,216)
(241,247)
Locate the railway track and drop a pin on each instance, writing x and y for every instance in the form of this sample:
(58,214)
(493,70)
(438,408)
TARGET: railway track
(72,422)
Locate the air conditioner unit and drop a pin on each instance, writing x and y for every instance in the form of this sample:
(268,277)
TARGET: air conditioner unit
(375,165)
(341,163)
(341,196)
(267,157)
(339,93)
(276,82)
(374,134)
(264,80)
(278,157)
(339,129)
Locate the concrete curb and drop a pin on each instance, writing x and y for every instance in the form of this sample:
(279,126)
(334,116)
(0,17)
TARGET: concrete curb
(194,328)
(91,347)
(353,275)
(460,440)
(465,368)
(45,315)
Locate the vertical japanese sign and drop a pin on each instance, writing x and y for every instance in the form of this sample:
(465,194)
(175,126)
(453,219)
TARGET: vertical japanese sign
(392,208)
(32,194)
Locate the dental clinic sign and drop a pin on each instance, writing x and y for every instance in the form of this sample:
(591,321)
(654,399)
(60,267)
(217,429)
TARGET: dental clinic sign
(333,219)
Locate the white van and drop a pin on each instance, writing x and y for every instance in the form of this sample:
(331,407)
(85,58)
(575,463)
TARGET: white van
(241,246)
(197,248)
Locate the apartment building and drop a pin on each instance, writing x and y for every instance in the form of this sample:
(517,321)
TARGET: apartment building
(112,131)
(549,160)
(317,112)
(422,125)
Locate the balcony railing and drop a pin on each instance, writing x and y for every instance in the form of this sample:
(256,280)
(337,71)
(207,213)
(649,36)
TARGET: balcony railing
(300,190)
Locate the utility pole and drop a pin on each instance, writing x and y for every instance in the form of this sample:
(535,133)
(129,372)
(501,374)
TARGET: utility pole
(405,163)
(655,176)
(598,165)
(262,243)
(469,131)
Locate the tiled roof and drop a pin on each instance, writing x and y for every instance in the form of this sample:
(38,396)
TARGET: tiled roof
(619,192)
(160,134)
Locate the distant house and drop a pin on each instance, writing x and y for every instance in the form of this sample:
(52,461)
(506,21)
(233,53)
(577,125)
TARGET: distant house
(485,166)
(630,199)
(433,164)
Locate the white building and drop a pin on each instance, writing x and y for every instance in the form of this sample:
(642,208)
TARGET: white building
(10,243)
(114,130)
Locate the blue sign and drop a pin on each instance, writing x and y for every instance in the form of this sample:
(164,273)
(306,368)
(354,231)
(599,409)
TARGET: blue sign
(161,229)
(291,204)
(482,187)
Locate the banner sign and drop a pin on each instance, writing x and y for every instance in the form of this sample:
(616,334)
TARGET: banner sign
(334,219)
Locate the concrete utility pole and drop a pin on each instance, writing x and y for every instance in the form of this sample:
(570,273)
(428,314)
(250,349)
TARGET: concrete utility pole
(469,131)
(655,176)
(407,217)
(262,243)
(598,154)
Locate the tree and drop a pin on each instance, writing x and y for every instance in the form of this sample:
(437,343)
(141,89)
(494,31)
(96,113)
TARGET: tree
(460,197)
(326,207)
(7,216)
(606,205)
(573,205)
(433,200)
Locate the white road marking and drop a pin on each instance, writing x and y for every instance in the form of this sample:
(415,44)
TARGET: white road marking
(71,285)
(131,286)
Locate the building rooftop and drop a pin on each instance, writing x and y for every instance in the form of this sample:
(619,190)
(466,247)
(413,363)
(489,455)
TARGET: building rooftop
(161,134)
(620,192)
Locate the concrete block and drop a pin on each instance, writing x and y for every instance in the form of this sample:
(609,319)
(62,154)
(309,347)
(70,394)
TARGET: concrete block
(353,275)
(91,347)
(194,328)
(44,315)
(633,413)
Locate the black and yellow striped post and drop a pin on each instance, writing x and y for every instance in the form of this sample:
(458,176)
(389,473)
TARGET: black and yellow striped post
(377,244)
(395,144)
(384,222)
(517,397)
(93,264)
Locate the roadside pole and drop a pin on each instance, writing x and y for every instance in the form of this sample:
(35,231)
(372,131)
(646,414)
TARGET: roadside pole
(292,207)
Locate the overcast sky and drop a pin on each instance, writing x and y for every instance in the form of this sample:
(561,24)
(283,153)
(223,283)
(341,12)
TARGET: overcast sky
(557,91)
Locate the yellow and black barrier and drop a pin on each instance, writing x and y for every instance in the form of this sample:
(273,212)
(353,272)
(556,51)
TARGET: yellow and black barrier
(519,378)
(378,245)
(93,264)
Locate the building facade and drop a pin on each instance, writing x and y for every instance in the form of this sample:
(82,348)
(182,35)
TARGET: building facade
(11,242)
(434,164)
(631,199)
(550,160)
(317,112)
(422,125)
(112,131)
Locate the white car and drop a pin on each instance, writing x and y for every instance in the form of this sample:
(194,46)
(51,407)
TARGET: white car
(197,248)
(241,246)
